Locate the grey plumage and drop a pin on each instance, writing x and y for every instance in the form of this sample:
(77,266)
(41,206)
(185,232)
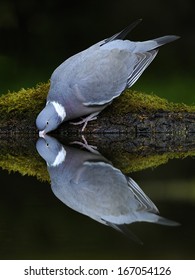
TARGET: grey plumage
(91,185)
(89,81)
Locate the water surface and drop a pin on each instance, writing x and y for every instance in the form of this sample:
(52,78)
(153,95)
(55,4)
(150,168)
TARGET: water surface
(35,224)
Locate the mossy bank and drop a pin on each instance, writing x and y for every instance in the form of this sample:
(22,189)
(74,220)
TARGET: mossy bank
(19,110)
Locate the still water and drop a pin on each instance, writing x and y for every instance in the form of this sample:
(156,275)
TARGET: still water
(36,223)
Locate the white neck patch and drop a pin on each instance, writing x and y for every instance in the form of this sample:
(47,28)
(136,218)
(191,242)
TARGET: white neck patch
(59,109)
(59,158)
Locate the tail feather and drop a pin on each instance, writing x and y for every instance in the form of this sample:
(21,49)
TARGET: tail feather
(154,44)
(167,222)
(165,40)
(156,219)
(142,46)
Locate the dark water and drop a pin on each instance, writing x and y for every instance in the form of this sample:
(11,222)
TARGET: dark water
(35,224)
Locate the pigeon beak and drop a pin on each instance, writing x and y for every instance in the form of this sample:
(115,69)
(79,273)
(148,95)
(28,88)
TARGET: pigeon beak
(42,133)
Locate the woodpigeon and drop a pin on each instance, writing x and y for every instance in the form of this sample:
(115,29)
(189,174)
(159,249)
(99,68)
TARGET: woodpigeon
(88,183)
(86,83)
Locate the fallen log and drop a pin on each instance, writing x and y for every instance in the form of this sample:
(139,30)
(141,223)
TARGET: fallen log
(132,112)
(135,132)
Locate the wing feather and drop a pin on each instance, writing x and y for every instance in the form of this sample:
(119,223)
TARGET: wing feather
(109,73)
(122,34)
(144,60)
(144,200)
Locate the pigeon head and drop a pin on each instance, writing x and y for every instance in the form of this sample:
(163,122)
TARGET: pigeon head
(51,150)
(50,117)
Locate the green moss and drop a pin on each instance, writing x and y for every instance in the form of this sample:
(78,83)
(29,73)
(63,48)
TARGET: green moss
(28,101)
(32,165)
(133,101)
(128,163)
(25,165)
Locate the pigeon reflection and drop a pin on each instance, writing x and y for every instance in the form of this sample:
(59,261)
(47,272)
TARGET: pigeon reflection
(88,183)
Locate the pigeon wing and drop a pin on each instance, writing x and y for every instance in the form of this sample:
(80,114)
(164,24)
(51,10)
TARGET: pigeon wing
(144,200)
(107,73)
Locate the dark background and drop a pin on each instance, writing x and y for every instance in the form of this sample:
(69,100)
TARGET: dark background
(36,36)
(34,224)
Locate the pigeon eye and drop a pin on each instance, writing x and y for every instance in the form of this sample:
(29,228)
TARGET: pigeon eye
(47,123)
(47,144)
